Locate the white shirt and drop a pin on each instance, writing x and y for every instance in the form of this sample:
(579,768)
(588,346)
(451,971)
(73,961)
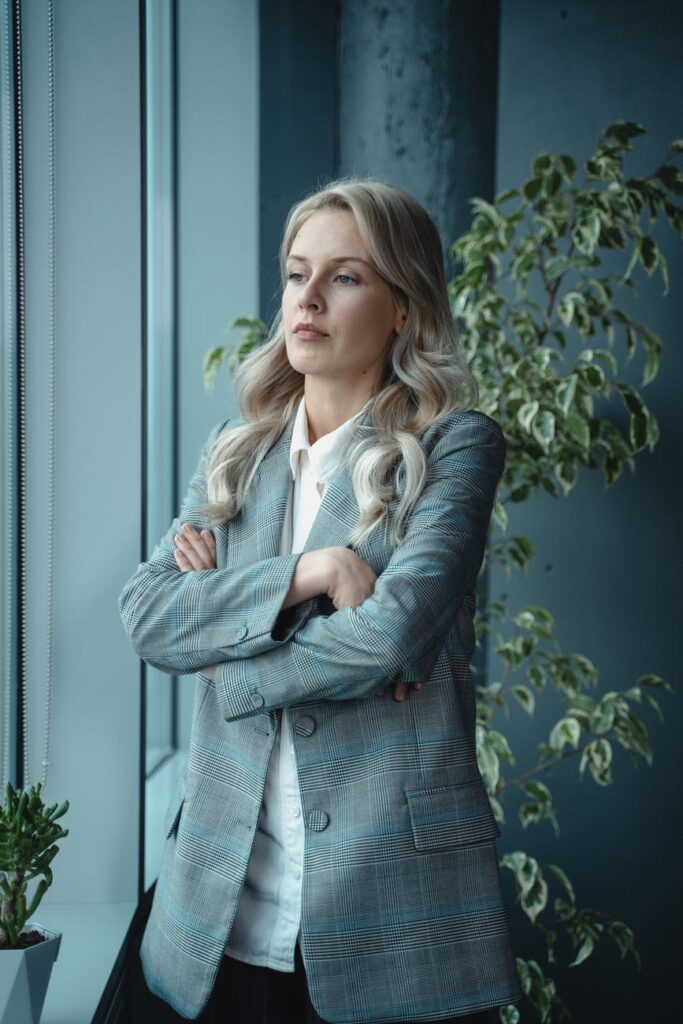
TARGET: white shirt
(267,919)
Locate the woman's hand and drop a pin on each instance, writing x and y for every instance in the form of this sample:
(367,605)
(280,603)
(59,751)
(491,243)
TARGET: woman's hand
(194,550)
(351,581)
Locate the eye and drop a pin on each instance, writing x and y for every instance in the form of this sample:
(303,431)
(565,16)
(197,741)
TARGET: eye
(293,274)
(351,279)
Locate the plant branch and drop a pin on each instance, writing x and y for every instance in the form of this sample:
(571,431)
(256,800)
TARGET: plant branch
(545,765)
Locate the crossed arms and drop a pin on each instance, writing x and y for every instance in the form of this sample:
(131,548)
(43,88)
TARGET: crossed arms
(182,622)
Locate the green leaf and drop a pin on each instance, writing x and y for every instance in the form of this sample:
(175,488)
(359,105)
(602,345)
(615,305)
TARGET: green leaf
(656,681)
(623,936)
(526,413)
(541,164)
(529,814)
(595,377)
(584,952)
(567,730)
(543,429)
(606,357)
(536,675)
(598,756)
(525,697)
(486,210)
(653,347)
(531,188)
(488,761)
(213,361)
(509,193)
(500,514)
(500,745)
(602,718)
(533,889)
(648,254)
(566,309)
(624,131)
(640,415)
(554,183)
(559,873)
(568,166)
(497,809)
(556,267)
(578,428)
(566,391)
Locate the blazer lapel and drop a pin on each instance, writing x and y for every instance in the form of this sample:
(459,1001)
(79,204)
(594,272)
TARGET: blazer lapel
(335,518)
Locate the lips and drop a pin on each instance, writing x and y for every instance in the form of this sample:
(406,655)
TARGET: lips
(309,330)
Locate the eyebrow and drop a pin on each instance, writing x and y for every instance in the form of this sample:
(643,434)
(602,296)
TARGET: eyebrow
(334,259)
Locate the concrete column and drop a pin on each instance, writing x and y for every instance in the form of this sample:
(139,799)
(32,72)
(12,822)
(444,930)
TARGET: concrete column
(417,100)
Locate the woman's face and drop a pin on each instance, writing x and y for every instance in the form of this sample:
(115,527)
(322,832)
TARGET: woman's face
(331,284)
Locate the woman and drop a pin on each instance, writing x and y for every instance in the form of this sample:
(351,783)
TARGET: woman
(330,847)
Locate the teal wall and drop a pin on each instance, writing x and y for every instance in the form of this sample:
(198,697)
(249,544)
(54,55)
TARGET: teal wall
(608,561)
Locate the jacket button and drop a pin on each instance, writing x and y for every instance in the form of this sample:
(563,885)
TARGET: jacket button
(304,726)
(317,820)
(239,633)
(257,699)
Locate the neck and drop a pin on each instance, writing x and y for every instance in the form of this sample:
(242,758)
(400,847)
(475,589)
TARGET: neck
(326,413)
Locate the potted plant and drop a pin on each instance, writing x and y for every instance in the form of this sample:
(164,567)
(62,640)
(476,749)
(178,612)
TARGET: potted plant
(28,832)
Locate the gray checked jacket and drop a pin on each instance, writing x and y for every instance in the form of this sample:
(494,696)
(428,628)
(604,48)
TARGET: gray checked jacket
(402,913)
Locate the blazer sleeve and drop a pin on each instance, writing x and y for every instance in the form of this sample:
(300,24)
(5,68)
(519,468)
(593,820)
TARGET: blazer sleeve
(181,622)
(401,628)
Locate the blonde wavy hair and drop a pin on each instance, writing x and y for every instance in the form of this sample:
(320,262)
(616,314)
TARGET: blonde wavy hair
(425,377)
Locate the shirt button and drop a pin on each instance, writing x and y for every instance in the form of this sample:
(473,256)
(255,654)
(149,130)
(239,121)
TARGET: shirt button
(296,873)
(296,813)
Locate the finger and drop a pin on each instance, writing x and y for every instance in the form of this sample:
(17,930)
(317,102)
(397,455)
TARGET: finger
(416,686)
(400,690)
(182,561)
(210,542)
(192,560)
(197,550)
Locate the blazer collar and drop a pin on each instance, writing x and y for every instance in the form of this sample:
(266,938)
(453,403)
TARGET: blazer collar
(325,453)
(338,510)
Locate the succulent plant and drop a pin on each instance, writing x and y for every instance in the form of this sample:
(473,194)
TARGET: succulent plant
(28,833)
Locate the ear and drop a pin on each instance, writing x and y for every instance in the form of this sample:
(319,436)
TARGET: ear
(399,320)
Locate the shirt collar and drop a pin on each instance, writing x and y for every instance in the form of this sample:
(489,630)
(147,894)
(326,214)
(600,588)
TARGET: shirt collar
(327,450)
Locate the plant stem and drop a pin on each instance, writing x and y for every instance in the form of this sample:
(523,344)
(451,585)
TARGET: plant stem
(544,764)
(552,296)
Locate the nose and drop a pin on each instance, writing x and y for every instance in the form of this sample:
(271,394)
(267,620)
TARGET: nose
(310,295)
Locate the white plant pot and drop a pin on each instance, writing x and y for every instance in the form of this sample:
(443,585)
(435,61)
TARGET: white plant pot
(24,977)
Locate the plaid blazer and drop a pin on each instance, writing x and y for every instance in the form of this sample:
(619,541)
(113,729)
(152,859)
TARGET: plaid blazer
(402,909)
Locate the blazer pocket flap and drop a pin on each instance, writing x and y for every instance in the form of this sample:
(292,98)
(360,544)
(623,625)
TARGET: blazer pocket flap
(452,816)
